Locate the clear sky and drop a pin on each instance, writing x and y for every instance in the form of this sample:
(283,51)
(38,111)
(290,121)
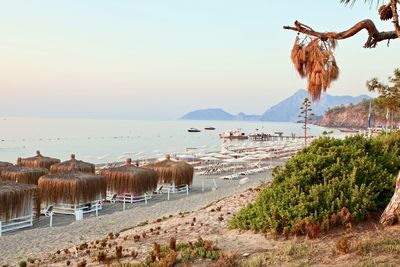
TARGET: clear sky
(158,59)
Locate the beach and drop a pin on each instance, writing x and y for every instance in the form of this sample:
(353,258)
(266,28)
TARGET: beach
(41,240)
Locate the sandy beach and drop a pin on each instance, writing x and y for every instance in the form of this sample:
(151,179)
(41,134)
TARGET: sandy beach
(41,240)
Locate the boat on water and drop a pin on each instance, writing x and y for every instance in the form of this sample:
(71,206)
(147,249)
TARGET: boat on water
(209,128)
(193,130)
(233,134)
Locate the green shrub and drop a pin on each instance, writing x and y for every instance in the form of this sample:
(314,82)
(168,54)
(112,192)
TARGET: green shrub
(314,186)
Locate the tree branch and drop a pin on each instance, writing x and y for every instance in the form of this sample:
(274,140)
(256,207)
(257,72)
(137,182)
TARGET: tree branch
(374,36)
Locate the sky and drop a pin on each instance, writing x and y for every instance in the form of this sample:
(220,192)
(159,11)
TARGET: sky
(157,59)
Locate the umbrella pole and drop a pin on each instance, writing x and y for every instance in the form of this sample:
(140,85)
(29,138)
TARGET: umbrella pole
(123,206)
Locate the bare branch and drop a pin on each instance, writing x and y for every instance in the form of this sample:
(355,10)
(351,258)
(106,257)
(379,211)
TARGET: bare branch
(374,36)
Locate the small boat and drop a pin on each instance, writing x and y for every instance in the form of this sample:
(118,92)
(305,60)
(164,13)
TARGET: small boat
(193,130)
(233,134)
(209,128)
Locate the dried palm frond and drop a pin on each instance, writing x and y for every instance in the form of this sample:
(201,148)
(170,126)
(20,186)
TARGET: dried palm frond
(78,164)
(332,43)
(316,63)
(38,161)
(298,58)
(18,200)
(169,171)
(20,174)
(385,12)
(72,187)
(130,179)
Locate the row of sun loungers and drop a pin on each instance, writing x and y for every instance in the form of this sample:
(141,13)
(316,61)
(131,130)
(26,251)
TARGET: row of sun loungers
(248,172)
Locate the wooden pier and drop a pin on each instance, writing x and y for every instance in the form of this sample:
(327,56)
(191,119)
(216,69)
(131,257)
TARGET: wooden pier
(270,137)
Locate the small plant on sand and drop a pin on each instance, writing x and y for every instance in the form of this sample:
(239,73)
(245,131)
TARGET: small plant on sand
(118,252)
(111,235)
(227,260)
(103,243)
(83,263)
(172,243)
(83,246)
(101,256)
(23,264)
(134,254)
(343,245)
(136,238)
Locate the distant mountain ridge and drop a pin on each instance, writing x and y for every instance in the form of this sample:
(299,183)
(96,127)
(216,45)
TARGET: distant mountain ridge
(285,111)
(288,109)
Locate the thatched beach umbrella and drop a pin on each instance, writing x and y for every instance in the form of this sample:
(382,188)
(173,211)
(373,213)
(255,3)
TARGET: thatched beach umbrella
(20,174)
(38,161)
(72,187)
(66,166)
(173,172)
(18,200)
(129,179)
(5,165)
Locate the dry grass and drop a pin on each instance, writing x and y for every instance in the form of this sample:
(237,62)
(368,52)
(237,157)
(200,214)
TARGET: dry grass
(169,171)
(5,165)
(17,200)
(72,188)
(73,163)
(38,161)
(26,175)
(130,179)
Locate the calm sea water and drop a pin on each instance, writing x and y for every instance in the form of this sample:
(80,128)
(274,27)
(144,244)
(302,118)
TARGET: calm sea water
(101,141)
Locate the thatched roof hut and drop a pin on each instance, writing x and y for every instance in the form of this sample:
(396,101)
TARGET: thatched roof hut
(5,165)
(173,172)
(130,179)
(79,165)
(72,187)
(18,200)
(38,161)
(20,174)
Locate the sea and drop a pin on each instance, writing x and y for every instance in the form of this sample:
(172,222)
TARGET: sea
(102,141)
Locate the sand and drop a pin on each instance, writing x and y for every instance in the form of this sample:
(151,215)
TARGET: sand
(41,241)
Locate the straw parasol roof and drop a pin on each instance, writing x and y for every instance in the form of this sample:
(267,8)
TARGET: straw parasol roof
(130,179)
(18,200)
(5,165)
(38,161)
(66,166)
(20,174)
(72,187)
(169,171)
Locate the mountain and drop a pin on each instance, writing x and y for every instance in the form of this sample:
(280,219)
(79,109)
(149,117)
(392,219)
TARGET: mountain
(288,109)
(244,117)
(285,111)
(211,114)
(217,114)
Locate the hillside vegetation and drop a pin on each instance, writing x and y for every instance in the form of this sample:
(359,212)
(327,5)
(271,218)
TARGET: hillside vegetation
(355,116)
